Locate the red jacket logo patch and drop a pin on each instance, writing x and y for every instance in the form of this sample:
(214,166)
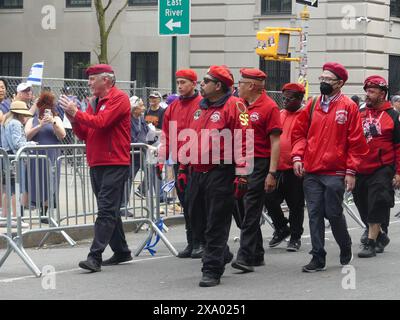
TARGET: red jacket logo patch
(215,117)
(341,116)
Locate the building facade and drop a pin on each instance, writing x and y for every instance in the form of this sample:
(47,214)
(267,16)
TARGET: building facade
(362,35)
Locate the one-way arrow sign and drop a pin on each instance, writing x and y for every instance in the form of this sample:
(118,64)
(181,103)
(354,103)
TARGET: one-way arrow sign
(171,24)
(312,3)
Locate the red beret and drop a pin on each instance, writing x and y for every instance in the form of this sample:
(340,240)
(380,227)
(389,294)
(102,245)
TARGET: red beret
(294,87)
(99,68)
(338,69)
(255,74)
(187,74)
(222,74)
(375,82)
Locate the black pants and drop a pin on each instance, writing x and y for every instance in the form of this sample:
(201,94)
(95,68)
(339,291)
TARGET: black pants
(192,240)
(211,201)
(324,197)
(374,196)
(108,186)
(251,242)
(290,189)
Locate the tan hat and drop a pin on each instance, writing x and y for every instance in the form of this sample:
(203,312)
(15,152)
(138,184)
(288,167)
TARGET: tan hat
(20,108)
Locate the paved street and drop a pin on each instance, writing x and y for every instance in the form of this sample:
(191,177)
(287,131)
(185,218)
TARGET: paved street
(168,278)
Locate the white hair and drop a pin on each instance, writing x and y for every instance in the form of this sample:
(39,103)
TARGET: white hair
(395,99)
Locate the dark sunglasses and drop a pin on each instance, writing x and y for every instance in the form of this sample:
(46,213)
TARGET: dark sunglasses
(207,80)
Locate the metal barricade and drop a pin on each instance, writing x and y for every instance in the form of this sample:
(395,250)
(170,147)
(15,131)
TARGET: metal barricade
(53,184)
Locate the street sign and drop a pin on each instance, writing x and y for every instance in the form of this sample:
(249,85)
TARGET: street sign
(311,3)
(173,17)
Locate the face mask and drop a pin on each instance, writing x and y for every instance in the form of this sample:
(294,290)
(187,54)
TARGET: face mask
(326,88)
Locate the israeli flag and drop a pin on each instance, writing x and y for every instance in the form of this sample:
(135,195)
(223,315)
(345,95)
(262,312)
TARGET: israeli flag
(36,74)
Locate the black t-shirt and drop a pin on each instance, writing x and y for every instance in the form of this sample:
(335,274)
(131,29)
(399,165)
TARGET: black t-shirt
(155,117)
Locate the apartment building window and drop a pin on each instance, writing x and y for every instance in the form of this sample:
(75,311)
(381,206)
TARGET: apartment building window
(395,8)
(270,7)
(394,75)
(11,64)
(78,3)
(142,2)
(144,69)
(278,73)
(11,4)
(75,64)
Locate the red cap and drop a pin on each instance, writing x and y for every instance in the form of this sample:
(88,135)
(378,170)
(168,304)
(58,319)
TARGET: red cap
(297,87)
(255,74)
(99,68)
(222,74)
(187,74)
(375,82)
(338,69)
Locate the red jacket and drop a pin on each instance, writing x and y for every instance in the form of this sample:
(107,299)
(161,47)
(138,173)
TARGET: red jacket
(106,130)
(226,117)
(288,120)
(178,115)
(382,137)
(334,143)
(265,119)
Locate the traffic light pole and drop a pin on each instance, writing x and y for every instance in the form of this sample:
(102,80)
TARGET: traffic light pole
(303,68)
(173,63)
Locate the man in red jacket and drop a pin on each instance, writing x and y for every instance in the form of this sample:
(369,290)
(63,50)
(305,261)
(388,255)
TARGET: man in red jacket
(219,167)
(289,186)
(328,146)
(265,121)
(379,171)
(177,117)
(105,128)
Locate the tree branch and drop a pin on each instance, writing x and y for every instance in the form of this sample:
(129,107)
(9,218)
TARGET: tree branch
(108,5)
(116,17)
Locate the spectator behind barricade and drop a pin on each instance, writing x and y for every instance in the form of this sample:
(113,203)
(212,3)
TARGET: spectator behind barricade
(139,131)
(25,94)
(356,100)
(45,128)
(155,113)
(12,139)
(164,103)
(395,101)
(4,101)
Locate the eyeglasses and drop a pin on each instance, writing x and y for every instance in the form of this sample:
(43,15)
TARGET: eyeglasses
(207,80)
(288,99)
(328,80)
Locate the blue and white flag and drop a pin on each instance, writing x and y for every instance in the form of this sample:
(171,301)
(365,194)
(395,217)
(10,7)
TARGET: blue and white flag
(36,74)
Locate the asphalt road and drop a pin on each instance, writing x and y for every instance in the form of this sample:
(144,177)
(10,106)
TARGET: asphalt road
(164,277)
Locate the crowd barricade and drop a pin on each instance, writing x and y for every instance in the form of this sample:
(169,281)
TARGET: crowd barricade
(54,194)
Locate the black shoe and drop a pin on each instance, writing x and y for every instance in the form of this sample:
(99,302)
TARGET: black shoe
(346,256)
(258,263)
(364,237)
(116,259)
(228,258)
(293,245)
(279,236)
(314,266)
(240,265)
(44,220)
(91,265)
(368,250)
(185,253)
(381,242)
(208,281)
(197,253)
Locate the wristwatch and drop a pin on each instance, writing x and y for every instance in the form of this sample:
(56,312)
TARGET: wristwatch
(274,174)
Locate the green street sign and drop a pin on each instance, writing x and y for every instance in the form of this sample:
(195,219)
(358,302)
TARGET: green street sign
(173,17)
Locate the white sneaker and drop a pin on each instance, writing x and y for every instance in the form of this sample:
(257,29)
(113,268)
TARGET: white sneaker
(24,225)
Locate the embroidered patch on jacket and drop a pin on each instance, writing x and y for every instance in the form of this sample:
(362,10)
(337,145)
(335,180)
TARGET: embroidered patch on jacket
(341,116)
(215,117)
(197,114)
(102,107)
(254,117)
